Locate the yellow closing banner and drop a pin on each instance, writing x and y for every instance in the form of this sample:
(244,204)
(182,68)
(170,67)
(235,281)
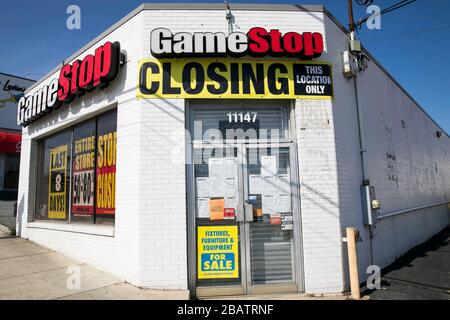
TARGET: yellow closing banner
(228,78)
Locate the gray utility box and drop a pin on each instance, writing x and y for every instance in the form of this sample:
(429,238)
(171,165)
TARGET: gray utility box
(370,205)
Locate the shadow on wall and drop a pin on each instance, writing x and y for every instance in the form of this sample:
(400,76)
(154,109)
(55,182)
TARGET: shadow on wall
(20,210)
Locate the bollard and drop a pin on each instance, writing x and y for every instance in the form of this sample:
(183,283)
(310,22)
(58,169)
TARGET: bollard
(352,235)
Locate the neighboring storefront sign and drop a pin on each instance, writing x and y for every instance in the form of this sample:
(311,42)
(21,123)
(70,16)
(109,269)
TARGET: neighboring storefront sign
(94,71)
(218,252)
(207,78)
(10,142)
(106,173)
(83,176)
(57,183)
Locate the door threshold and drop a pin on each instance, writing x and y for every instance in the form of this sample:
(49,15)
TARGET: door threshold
(278,296)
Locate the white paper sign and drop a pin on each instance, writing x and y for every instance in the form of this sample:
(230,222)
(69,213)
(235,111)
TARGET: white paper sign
(255,184)
(268,166)
(203,187)
(283,203)
(269,203)
(202,207)
(283,183)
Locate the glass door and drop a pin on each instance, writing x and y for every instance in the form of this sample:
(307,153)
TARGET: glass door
(220,249)
(244,220)
(270,222)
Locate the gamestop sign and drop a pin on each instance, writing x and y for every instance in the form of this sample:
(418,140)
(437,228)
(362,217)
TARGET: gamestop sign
(215,65)
(206,66)
(94,71)
(258,42)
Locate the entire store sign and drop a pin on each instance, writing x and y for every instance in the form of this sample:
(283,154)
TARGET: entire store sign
(94,71)
(196,66)
(83,176)
(218,252)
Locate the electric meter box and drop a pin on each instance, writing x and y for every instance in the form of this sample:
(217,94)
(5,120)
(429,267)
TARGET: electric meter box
(370,205)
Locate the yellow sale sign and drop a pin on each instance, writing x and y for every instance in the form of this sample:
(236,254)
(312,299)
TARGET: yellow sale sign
(218,252)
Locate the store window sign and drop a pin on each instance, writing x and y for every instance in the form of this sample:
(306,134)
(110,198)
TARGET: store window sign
(75,79)
(57,183)
(218,252)
(83,176)
(106,173)
(206,78)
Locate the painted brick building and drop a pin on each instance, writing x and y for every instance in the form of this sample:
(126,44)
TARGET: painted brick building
(276,224)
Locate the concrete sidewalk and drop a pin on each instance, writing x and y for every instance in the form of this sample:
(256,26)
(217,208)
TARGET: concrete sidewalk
(29,271)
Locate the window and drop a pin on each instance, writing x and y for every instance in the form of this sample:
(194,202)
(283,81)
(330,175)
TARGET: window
(76,175)
(11,178)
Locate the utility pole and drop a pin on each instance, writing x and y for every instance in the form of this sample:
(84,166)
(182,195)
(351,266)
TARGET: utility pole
(351,20)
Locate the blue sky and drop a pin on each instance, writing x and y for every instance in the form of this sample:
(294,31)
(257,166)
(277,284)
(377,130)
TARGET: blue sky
(35,39)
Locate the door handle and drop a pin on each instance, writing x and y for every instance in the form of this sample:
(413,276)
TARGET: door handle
(248,211)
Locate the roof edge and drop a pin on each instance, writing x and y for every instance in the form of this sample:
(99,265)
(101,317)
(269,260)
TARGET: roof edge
(179,6)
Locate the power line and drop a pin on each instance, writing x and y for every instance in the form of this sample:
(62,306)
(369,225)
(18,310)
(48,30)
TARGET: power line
(394,7)
(414,32)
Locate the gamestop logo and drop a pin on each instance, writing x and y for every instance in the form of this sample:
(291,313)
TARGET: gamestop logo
(94,71)
(258,42)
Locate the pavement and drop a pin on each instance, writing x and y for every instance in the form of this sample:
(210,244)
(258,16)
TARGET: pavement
(421,274)
(31,272)
(4,232)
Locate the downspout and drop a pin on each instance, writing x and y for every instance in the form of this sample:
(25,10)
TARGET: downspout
(362,147)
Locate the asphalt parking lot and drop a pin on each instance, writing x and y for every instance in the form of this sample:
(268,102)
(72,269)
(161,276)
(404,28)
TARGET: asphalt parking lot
(422,274)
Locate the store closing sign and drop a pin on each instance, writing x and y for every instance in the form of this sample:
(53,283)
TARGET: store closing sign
(57,183)
(218,249)
(83,176)
(206,78)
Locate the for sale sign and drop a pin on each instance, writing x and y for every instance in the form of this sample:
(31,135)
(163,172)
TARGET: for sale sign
(83,176)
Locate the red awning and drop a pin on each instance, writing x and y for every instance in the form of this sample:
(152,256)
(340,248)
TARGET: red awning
(10,142)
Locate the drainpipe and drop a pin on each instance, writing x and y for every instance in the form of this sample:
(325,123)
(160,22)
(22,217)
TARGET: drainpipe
(362,145)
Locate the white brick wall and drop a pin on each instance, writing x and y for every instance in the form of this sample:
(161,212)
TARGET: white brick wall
(148,246)
(416,148)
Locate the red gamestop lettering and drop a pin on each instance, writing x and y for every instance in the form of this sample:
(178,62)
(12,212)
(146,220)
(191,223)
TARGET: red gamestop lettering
(307,45)
(94,71)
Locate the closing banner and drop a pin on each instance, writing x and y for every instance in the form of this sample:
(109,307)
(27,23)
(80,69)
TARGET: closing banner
(206,78)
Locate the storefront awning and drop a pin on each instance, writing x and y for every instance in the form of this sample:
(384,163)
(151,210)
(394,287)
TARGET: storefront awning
(10,142)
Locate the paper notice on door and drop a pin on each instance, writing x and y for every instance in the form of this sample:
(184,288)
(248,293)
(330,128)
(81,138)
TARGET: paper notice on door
(203,187)
(231,187)
(268,185)
(275,219)
(202,207)
(231,202)
(216,207)
(283,183)
(268,166)
(255,184)
(230,167)
(283,203)
(269,203)
(216,177)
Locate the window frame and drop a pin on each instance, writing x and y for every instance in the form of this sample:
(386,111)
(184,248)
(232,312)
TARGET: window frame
(40,173)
